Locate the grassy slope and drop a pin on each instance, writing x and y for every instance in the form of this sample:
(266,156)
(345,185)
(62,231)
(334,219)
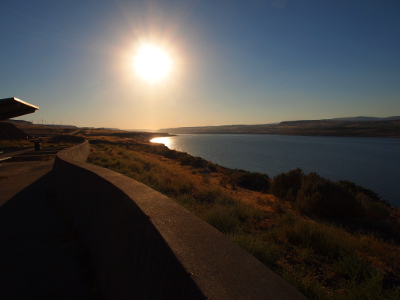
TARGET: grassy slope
(320,259)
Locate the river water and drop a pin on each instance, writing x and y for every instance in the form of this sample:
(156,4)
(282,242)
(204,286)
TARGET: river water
(373,163)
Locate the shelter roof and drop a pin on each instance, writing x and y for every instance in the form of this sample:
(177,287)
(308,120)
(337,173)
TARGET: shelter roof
(14,107)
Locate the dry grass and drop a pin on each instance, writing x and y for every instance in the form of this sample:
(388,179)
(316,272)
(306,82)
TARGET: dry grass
(322,260)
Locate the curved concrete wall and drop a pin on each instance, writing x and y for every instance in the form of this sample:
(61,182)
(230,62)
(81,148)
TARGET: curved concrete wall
(146,246)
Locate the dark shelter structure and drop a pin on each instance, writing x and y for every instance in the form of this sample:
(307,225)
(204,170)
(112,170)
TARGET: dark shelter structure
(11,108)
(14,107)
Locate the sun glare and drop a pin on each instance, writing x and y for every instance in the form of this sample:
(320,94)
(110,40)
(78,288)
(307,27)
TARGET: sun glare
(152,63)
(163,140)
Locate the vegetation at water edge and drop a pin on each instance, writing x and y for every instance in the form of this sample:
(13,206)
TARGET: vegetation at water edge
(331,240)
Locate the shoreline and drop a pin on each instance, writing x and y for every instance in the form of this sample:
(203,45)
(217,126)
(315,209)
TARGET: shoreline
(389,195)
(288,134)
(290,239)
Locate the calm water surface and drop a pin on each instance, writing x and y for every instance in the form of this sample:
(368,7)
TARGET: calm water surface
(373,163)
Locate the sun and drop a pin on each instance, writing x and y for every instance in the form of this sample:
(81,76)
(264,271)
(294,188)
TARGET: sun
(152,63)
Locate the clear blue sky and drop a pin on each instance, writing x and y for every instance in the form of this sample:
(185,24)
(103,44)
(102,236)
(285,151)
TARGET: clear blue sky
(235,61)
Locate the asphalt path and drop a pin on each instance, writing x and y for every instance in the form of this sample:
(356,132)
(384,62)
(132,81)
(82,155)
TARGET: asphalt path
(39,257)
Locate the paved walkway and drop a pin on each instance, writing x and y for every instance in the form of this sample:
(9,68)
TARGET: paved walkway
(38,253)
(15,152)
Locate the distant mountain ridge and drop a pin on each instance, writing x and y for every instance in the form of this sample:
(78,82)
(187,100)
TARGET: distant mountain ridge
(350,119)
(350,126)
(362,119)
(347,119)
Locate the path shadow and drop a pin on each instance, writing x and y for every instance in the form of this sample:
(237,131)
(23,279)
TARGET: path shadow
(37,258)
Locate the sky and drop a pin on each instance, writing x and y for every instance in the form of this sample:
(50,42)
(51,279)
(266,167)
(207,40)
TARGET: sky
(233,61)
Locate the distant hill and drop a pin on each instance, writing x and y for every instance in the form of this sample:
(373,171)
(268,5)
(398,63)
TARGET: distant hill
(102,128)
(142,130)
(364,119)
(354,126)
(38,130)
(29,123)
(20,122)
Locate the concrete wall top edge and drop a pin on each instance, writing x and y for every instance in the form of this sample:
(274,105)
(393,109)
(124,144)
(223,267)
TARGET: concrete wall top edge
(220,268)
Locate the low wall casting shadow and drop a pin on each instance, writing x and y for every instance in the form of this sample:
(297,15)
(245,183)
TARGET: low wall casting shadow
(145,246)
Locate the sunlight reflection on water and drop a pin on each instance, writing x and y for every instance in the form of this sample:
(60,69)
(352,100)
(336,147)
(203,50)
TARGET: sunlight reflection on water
(167,141)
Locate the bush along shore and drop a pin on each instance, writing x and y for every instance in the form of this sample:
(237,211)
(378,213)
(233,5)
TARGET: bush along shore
(331,240)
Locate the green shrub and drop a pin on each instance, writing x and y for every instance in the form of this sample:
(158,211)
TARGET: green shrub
(286,185)
(171,154)
(254,181)
(356,189)
(212,167)
(198,163)
(325,198)
(186,160)
(371,212)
